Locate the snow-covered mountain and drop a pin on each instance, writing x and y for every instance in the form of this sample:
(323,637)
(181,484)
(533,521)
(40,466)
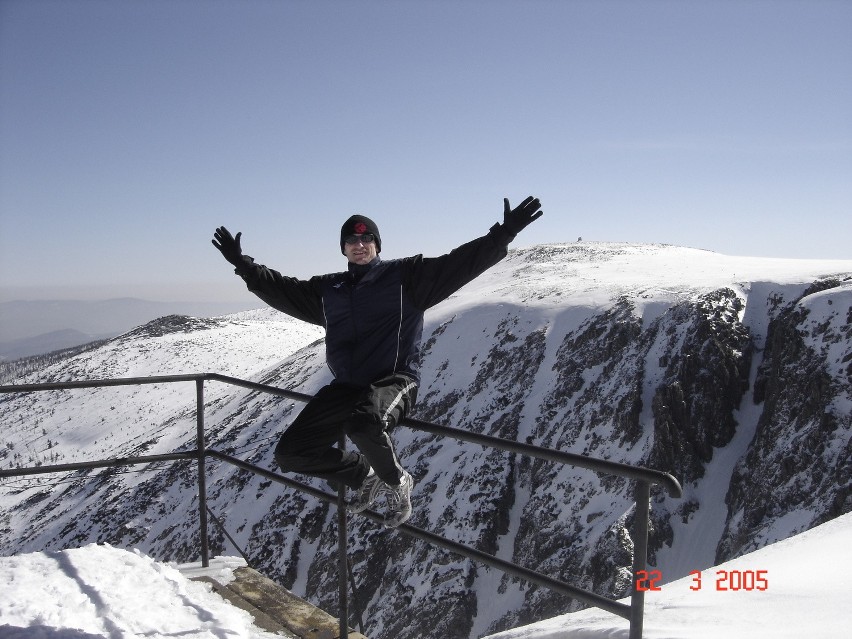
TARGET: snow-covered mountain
(731,373)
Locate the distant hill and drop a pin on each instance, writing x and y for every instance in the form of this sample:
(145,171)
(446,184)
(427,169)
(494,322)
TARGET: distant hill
(34,327)
(46,343)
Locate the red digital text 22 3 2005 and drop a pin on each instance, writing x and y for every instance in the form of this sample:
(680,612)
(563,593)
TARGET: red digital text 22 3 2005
(723,580)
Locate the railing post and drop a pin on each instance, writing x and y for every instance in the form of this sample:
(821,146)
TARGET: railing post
(640,557)
(342,562)
(202,477)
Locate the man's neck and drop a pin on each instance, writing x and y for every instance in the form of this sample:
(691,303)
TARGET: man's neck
(360,270)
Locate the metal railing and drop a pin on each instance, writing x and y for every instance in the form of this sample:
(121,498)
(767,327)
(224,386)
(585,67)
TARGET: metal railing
(644,478)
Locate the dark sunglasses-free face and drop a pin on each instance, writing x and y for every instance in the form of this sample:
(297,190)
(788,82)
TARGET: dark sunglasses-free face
(365,238)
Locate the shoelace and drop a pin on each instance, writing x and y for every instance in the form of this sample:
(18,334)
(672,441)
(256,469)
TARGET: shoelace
(394,493)
(394,496)
(367,486)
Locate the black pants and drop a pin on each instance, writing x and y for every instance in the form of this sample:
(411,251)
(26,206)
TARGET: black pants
(365,415)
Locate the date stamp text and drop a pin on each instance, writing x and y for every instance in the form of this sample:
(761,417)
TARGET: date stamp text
(724,580)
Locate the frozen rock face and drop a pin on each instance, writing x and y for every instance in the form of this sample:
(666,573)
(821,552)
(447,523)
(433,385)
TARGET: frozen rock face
(647,355)
(798,470)
(705,374)
(661,396)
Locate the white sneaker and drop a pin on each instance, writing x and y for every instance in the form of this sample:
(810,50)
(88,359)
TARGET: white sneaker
(399,501)
(366,494)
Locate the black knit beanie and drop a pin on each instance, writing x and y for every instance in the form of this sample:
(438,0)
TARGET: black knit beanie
(357,225)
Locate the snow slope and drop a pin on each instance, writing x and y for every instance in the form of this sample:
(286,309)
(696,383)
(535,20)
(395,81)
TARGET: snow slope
(806,594)
(100,591)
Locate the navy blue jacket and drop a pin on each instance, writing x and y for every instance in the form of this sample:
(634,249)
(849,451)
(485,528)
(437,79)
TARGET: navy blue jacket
(373,314)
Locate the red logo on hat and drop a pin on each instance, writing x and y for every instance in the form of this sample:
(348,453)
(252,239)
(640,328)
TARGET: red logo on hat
(360,227)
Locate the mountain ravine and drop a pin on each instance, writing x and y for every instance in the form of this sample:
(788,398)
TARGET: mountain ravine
(733,374)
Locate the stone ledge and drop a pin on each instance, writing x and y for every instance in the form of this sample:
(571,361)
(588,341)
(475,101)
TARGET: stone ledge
(274,608)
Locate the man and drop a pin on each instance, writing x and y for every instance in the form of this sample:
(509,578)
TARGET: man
(373,316)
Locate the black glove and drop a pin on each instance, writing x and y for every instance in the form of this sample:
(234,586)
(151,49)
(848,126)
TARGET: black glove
(228,245)
(517,219)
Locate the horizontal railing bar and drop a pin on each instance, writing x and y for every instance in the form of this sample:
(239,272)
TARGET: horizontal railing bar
(573,459)
(620,609)
(265,388)
(598,465)
(98,383)
(268,474)
(153,379)
(617,608)
(105,463)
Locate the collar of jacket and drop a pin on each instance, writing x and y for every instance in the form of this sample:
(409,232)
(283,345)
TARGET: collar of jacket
(357,271)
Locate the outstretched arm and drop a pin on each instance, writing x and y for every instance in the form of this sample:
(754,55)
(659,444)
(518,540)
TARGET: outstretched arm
(433,279)
(298,298)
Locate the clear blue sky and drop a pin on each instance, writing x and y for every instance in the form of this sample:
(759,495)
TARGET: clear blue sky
(130,130)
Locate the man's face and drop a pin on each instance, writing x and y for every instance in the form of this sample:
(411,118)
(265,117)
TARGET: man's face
(360,249)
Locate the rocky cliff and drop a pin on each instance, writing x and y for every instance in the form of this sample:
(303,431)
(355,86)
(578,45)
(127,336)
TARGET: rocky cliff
(733,374)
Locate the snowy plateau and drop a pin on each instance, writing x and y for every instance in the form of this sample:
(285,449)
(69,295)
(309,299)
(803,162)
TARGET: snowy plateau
(734,374)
